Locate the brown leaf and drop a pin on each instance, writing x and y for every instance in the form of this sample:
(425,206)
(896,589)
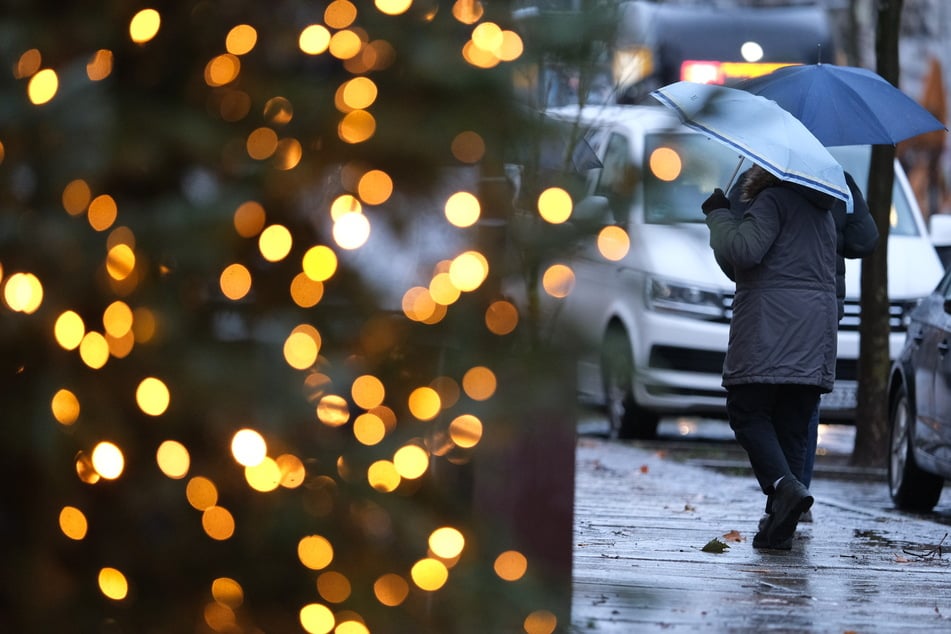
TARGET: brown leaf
(733,536)
(645,468)
(715,546)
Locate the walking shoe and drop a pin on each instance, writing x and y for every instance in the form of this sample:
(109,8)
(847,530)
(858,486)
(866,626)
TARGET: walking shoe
(761,539)
(790,501)
(806,517)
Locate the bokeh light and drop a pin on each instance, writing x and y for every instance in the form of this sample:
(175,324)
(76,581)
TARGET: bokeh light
(248,447)
(113,584)
(613,243)
(665,163)
(152,396)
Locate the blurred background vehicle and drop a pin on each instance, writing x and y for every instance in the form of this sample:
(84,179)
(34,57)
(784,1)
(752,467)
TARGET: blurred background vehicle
(919,446)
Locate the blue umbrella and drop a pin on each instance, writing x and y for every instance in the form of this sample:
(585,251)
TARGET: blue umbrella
(759,130)
(844,105)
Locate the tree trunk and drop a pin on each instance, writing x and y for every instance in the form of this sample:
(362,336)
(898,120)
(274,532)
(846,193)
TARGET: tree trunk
(871,422)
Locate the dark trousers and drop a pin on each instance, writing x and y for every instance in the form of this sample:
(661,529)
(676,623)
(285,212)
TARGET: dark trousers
(771,422)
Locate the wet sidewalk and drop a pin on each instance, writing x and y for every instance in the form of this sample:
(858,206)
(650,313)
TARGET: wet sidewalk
(644,513)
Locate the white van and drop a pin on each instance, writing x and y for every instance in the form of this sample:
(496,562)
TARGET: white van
(653,326)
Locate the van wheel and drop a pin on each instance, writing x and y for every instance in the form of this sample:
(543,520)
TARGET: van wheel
(626,418)
(911,488)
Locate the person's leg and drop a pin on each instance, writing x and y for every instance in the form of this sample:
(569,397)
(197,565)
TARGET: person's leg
(795,407)
(750,408)
(810,458)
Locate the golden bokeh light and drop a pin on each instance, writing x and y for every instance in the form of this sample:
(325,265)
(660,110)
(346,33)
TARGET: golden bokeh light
(345,44)
(222,70)
(121,347)
(305,292)
(351,231)
(316,618)
(358,93)
(218,523)
(144,325)
(288,154)
(393,7)
(479,383)
(390,589)
(117,319)
(301,349)
(65,407)
(479,57)
(76,197)
(343,205)
(424,403)
(241,39)
(501,317)
(333,586)
(69,330)
(442,290)
(418,304)
(42,87)
(23,293)
(351,624)
(429,574)
(235,281)
(613,243)
(99,65)
(319,263)
(468,270)
(144,25)
(411,461)
(554,205)
(278,111)
(446,542)
(340,14)
(510,565)
(462,209)
(367,391)
(292,471)
(227,592)
(315,552)
(314,39)
(28,63)
(201,493)
(249,219)
(356,127)
(248,447)
(512,46)
(107,460)
(262,143)
(369,429)
(665,163)
(275,243)
(113,584)
(120,261)
(333,411)
(173,459)
(558,280)
(375,187)
(383,476)
(73,523)
(220,618)
(94,350)
(467,11)
(84,469)
(265,476)
(152,396)
(468,147)
(540,622)
(487,36)
(466,431)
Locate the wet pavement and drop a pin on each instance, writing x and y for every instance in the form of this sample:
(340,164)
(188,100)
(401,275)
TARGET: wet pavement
(644,511)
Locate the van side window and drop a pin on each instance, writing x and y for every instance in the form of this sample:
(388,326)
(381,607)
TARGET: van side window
(618,178)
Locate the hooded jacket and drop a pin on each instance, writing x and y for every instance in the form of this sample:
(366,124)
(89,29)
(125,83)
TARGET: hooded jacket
(782,251)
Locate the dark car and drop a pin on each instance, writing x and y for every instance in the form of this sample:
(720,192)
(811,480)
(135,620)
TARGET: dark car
(920,405)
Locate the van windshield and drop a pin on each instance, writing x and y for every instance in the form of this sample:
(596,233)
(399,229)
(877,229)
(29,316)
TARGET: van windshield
(682,169)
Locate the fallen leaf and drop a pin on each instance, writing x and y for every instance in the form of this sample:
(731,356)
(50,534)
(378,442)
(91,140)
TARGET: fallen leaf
(714,546)
(901,560)
(689,508)
(644,468)
(733,536)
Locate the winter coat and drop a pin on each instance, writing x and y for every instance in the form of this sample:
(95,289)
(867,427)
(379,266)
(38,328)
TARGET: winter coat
(856,233)
(782,251)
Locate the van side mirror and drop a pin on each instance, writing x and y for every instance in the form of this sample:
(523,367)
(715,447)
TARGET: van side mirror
(939,226)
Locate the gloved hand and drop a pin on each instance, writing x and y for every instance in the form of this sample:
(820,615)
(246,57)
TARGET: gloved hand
(717,200)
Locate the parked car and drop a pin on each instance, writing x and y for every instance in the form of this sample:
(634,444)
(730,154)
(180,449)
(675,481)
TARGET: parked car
(919,392)
(652,327)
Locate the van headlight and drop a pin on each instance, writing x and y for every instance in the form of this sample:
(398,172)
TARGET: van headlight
(689,301)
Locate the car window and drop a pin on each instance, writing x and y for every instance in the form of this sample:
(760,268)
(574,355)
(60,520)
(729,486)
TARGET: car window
(682,171)
(618,178)
(855,160)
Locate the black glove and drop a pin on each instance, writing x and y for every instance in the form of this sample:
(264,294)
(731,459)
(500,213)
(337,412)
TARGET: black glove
(717,200)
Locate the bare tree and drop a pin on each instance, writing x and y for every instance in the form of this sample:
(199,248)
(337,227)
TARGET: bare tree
(871,413)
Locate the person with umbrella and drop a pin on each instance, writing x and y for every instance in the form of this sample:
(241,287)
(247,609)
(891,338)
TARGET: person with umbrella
(781,352)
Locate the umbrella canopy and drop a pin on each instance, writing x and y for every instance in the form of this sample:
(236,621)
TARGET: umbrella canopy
(844,105)
(758,129)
